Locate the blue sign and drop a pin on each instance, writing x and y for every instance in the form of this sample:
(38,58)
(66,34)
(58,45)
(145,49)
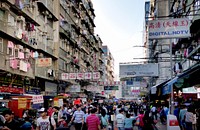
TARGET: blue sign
(166,89)
(32,90)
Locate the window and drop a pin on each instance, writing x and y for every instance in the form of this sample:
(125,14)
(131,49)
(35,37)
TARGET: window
(16,53)
(1,44)
(61,64)
(2,15)
(11,20)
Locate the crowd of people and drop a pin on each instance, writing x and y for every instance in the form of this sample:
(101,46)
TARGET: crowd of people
(94,116)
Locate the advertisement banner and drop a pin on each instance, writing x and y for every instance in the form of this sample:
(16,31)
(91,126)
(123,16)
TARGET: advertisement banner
(6,89)
(169,28)
(43,62)
(37,99)
(113,83)
(86,75)
(145,70)
(22,103)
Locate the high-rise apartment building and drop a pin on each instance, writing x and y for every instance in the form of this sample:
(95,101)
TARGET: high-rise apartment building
(42,39)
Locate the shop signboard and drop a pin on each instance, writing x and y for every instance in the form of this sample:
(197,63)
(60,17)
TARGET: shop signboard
(86,75)
(113,83)
(43,62)
(135,70)
(166,89)
(32,90)
(22,103)
(169,28)
(111,88)
(37,99)
(12,90)
(135,92)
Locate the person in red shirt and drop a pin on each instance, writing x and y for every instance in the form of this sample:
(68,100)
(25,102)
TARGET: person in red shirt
(92,121)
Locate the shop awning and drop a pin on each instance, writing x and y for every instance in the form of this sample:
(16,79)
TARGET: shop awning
(167,87)
(188,78)
(154,88)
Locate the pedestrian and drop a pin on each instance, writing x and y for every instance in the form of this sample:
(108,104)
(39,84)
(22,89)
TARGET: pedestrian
(154,112)
(92,121)
(119,121)
(56,115)
(27,125)
(78,118)
(104,120)
(139,120)
(182,117)
(189,119)
(45,122)
(10,123)
(148,122)
(128,122)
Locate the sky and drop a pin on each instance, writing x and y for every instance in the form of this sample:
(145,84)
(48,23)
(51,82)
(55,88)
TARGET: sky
(119,23)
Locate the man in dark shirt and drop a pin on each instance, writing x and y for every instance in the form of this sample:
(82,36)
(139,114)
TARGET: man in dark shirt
(10,123)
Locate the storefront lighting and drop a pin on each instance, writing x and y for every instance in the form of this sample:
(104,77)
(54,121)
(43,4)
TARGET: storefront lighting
(15,98)
(1,98)
(50,99)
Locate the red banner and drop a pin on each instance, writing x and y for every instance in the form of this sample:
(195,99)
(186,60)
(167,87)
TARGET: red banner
(6,89)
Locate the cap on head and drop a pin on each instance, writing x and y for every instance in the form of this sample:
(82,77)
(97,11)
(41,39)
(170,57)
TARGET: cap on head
(42,110)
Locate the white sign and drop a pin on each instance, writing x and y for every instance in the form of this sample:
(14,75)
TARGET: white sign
(146,70)
(86,75)
(94,88)
(60,102)
(113,83)
(80,75)
(64,76)
(96,75)
(169,28)
(72,75)
(37,99)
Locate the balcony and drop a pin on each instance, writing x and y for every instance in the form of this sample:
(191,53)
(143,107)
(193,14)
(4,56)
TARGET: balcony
(25,12)
(47,5)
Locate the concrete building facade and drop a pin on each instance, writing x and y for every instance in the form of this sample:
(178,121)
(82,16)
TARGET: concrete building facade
(42,39)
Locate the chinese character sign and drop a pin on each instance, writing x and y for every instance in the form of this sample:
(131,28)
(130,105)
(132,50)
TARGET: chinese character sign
(64,76)
(72,75)
(44,62)
(88,75)
(170,28)
(80,75)
(96,75)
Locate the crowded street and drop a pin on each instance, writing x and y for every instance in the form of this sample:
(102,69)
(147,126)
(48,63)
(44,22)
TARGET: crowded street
(99,64)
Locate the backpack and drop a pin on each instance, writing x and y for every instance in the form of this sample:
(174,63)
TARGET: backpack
(140,121)
(51,126)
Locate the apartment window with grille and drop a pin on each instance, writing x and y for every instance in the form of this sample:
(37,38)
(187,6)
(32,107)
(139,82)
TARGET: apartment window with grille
(11,20)
(1,44)
(61,64)
(2,15)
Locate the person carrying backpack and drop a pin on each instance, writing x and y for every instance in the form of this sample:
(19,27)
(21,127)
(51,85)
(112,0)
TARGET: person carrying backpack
(139,120)
(45,122)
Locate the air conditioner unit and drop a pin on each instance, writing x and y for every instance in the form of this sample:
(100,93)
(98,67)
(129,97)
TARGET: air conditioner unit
(41,55)
(20,18)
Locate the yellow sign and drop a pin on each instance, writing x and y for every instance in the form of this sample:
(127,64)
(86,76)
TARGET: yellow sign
(22,103)
(56,103)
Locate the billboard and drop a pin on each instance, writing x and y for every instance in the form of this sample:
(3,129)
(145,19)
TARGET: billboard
(134,70)
(169,28)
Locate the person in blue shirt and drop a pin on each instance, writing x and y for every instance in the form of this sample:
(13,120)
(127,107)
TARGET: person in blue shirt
(128,122)
(27,125)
